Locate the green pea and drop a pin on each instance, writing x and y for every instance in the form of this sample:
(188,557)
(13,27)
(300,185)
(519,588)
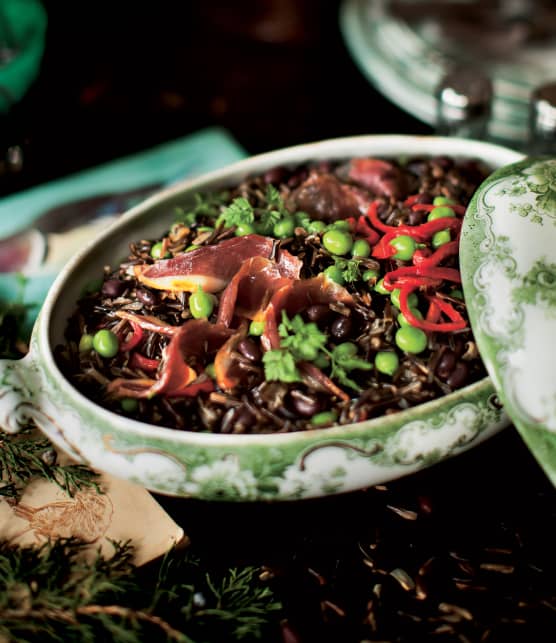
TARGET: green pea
(411,339)
(361,248)
(106,343)
(341,224)
(387,362)
(443,200)
(326,417)
(402,321)
(412,299)
(256,328)
(440,238)
(369,275)
(85,343)
(129,404)
(336,241)
(244,228)
(379,287)
(156,251)
(345,350)
(210,370)
(456,293)
(441,213)
(201,304)
(316,227)
(334,273)
(404,246)
(284,228)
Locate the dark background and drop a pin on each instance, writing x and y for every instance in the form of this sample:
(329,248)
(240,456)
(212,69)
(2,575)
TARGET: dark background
(120,77)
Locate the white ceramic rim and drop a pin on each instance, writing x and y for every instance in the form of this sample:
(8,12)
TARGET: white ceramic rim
(388,145)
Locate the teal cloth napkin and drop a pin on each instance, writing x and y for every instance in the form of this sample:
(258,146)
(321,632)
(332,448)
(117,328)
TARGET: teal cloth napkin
(22,40)
(41,227)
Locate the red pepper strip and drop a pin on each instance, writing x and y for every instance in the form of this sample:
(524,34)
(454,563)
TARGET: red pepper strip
(433,313)
(457,322)
(420,258)
(372,213)
(384,249)
(144,363)
(364,229)
(420,276)
(411,199)
(428,207)
(135,338)
(420,233)
(420,255)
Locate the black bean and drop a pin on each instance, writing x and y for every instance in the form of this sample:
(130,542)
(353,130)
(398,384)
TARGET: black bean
(446,364)
(242,420)
(146,297)
(249,349)
(341,327)
(113,288)
(318,312)
(416,217)
(305,405)
(458,375)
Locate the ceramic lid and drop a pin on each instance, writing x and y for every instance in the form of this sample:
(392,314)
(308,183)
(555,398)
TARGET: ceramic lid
(405,47)
(508,268)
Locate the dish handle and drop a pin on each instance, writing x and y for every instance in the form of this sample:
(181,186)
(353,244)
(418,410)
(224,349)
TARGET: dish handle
(25,402)
(17,394)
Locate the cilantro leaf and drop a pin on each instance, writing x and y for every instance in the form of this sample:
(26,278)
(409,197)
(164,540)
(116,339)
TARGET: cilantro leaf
(240,211)
(279,365)
(208,205)
(340,375)
(275,202)
(306,340)
(350,268)
(268,219)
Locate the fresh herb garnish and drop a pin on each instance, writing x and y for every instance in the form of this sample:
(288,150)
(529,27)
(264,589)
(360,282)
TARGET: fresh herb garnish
(207,205)
(279,365)
(239,212)
(351,269)
(303,340)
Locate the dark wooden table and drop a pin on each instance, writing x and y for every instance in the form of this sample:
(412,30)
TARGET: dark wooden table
(117,80)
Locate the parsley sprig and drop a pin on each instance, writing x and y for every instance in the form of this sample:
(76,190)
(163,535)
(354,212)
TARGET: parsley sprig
(304,341)
(204,205)
(239,212)
(350,268)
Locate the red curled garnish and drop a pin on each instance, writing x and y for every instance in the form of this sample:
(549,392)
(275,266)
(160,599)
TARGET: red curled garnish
(133,341)
(431,323)
(143,363)
(429,207)
(411,199)
(420,275)
(420,233)
(363,229)
(422,258)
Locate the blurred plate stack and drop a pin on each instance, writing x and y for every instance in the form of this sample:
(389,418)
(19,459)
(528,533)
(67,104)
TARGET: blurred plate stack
(406,47)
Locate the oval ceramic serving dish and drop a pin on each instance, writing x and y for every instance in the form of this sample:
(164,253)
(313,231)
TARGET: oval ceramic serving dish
(239,467)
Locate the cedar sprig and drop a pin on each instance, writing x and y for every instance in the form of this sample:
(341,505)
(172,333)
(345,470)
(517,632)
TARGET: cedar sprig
(26,456)
(50,594)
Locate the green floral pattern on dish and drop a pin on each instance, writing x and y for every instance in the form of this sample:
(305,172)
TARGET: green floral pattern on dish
(509,278)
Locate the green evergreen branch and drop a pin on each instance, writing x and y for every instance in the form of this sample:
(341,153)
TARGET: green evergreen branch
(50,594)
(25,456)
